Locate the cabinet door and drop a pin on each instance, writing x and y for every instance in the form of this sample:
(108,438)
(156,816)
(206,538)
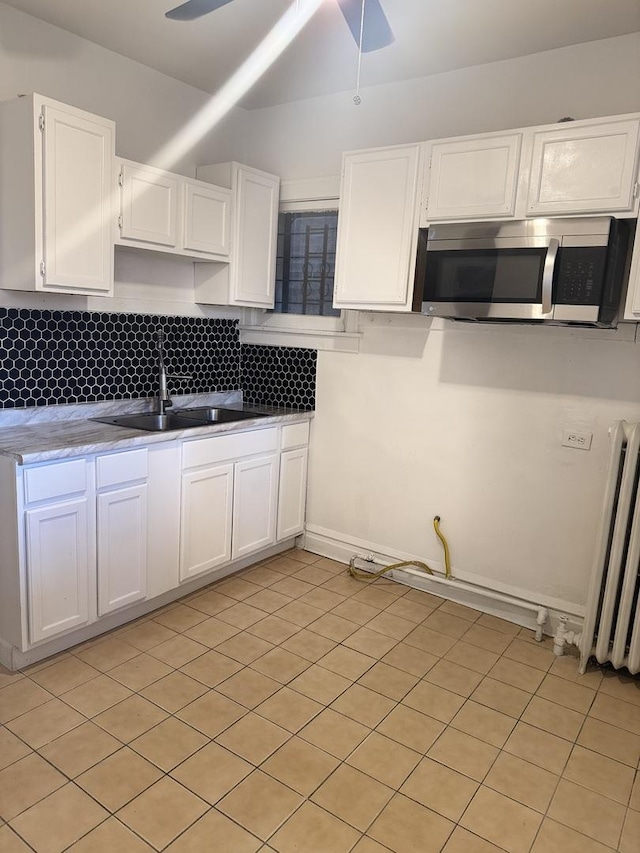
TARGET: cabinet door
(149,204)
(255,234)
(472,178)
(205,528)
(292,493)
(377,229)
(57,568)
(207,217)
(254,505)
(122,547)
(632,308)
(585,169)
(77,210)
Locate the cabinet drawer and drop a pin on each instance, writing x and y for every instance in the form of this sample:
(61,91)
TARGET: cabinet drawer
(295,435)
(206,451)
(55,481)
(117,468)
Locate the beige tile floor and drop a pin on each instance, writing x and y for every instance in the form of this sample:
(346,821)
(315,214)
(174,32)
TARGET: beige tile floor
(291,708)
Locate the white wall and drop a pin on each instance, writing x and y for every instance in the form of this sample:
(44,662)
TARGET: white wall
(306,138)
(467,423)
(460,421)
(149,108)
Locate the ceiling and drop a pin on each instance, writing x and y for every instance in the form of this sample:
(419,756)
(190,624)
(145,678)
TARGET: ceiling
(432,36)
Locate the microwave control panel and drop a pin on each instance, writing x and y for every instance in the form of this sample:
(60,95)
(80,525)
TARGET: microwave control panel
(579,276)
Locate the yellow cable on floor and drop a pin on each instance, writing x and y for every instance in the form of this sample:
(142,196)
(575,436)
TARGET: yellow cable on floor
(360,575)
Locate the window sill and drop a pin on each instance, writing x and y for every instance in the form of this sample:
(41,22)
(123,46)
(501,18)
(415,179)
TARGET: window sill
(332,341)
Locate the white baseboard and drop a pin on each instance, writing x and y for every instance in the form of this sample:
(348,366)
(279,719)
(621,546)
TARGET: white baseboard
(6,655)
(337,547)
(13,658)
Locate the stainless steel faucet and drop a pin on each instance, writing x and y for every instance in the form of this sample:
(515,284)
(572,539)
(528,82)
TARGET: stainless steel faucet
(164,400)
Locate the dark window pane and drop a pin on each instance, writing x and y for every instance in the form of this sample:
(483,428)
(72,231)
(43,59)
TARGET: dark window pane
(306,263)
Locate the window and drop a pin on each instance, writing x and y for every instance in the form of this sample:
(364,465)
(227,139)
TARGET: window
(306,263)
(303,314)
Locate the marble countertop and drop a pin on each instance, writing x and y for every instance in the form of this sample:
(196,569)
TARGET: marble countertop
(43,440)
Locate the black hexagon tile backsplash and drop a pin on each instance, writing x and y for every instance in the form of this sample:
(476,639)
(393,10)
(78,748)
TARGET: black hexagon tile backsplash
(279,376)
(50,357)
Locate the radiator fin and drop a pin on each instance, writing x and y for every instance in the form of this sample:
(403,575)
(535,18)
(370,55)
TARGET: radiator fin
(612,622)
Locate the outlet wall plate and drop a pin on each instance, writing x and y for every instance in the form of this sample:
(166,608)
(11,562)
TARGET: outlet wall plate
(577,440)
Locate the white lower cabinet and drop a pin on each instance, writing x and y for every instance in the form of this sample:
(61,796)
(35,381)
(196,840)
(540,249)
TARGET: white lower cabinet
(205,520)
(293,492)
(58,566)
(122,547)
(122,530)
(254,505)
(241,493)
(87,537)
(229,499)
(59,551)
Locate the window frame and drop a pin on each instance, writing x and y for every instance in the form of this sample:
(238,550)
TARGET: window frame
(333,209)
(260,326)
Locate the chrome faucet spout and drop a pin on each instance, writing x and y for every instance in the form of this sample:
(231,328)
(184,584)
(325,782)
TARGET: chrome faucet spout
(164,400)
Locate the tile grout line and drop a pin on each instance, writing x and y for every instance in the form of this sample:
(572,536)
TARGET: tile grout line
(327,705)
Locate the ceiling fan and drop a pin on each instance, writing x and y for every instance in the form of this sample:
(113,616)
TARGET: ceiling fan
(376,32)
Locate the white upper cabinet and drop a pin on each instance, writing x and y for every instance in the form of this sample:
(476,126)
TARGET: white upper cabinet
(56,166)
(148,204)
(588,167)
(249,280)
(255,229)
(473,177)
(571,168)
(632,307)
(206,218)
(172,214)
(378,229)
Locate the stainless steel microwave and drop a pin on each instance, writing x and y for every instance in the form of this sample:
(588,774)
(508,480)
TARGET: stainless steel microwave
(553,270)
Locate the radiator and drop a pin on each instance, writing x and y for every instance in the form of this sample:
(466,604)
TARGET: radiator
(612,622)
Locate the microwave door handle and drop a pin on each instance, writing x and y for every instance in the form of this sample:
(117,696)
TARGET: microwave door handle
(547,275)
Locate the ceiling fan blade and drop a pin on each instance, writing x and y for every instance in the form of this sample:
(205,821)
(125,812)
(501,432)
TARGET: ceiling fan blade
(376,31)
(193,9)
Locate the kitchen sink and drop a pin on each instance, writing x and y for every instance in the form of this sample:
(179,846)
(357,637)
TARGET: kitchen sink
(153,422)
(185,419)
(213,415)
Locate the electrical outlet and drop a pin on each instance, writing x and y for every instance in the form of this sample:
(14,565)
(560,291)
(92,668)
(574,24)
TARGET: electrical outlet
(578,440)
